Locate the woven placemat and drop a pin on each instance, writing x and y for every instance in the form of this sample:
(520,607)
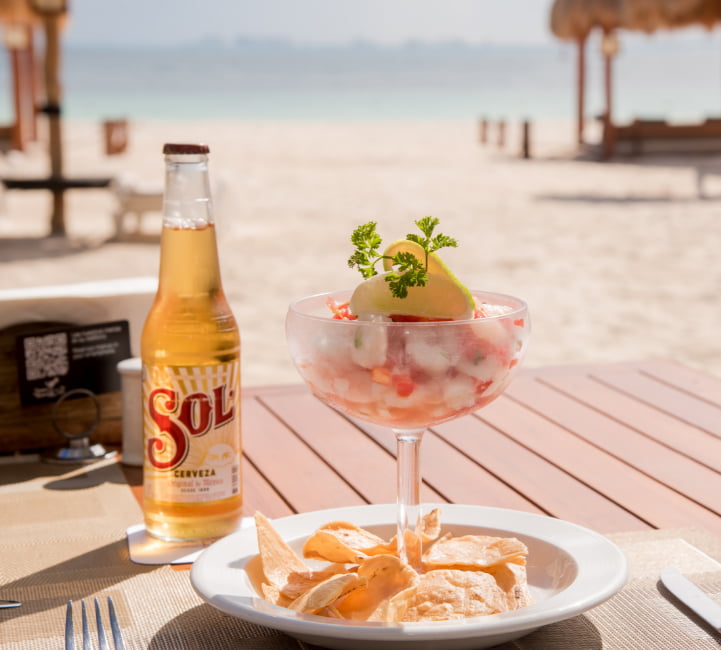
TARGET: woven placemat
(71,545)
(156,609)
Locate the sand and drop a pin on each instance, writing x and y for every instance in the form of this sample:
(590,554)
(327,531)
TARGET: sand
(617,260)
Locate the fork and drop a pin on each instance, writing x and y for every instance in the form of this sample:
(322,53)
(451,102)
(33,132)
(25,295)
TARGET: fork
(87,642)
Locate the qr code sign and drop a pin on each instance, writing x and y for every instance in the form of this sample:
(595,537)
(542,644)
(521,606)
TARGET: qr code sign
(46,356)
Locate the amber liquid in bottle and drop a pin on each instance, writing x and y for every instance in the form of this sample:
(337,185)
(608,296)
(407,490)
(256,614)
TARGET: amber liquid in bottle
(191,373)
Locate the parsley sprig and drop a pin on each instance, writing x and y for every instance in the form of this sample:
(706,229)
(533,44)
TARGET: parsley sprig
(408,270)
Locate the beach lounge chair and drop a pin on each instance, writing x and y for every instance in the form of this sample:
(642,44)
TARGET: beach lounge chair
(136,198)
(643,136)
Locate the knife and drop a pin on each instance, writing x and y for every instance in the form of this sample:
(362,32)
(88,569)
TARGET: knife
(691,596)
(9,603)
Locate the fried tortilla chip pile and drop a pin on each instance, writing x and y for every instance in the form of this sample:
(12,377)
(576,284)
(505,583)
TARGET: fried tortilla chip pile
(472,575)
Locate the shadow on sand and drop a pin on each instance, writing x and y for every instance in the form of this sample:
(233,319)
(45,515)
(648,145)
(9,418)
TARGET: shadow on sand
(13,249)
(701,167)
(597,198)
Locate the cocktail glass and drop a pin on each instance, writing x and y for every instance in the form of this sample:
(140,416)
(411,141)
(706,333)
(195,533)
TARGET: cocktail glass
(407,376)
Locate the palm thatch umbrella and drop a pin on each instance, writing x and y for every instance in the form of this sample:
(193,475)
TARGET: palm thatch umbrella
(647,15)
(679,12)
(570,20)
(574,20)
(51,14)
(652,15)
(683,13)
(16,11)
(606,14)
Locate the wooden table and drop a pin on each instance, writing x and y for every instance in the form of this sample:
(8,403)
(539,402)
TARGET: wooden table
(622,448)
(619,447)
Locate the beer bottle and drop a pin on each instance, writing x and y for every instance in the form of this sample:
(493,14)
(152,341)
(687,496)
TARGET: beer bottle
(190,348)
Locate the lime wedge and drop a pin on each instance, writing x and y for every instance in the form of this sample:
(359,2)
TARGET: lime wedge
(441,298)
(435,263)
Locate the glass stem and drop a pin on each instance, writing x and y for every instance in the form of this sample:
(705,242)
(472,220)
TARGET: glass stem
(409,496)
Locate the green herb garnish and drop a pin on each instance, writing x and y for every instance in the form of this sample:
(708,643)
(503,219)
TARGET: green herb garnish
(408,270)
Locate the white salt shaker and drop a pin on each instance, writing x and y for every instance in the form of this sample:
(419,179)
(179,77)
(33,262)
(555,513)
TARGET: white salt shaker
(132,411)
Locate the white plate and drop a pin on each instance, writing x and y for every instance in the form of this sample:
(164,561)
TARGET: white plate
(570,570)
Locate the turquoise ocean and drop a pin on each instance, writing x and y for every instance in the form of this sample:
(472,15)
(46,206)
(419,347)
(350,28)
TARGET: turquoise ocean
(654,77)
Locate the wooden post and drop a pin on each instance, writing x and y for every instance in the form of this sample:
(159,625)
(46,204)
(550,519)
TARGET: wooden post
(581,88)
(608,50)
(483,128)
(501,134)
(52,110)
(33,82)
(26,98)
(18,128)
(526,140)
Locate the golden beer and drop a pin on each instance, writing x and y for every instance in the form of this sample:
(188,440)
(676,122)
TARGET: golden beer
(190,349)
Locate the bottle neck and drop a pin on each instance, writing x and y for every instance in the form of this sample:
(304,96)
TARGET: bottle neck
(189,262)
(188,250)
(187,202)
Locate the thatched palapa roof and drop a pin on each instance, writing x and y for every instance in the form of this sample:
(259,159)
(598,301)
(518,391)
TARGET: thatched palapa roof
(574,19)
(17,12)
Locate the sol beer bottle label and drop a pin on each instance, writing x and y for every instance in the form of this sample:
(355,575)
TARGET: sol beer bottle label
(191,421)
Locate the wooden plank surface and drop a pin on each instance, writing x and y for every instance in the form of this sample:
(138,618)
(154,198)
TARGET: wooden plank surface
(622,446)
(647,420)
(302,478)
(622,442)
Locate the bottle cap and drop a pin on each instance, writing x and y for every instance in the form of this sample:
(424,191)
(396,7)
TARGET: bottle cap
(170,148)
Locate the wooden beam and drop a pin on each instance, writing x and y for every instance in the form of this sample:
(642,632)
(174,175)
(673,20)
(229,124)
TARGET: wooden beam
(581,88)
(53,108)
(608,50)
(18,134)
(31,70)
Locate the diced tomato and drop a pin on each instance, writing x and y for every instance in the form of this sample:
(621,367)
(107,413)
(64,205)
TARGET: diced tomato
(519,322)
(482,386)
(479,312)
(341,311)
(404,385)
(512,363)
(381,375)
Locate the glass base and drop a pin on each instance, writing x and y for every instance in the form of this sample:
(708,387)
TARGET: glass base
(80,454)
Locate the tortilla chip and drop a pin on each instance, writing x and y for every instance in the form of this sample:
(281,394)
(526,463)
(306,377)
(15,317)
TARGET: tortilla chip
(431,525)
(385,576)
(473,575)
(512,579)
(430,529)
(277,558)
(340,541)
(446,595)
(299,583)
(272,594)
(474,552)
(327,592)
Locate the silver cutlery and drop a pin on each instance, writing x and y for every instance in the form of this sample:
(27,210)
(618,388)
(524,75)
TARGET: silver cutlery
(691,596)
(87,636)
(6,604)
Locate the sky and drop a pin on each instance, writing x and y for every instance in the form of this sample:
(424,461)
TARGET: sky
(136,23)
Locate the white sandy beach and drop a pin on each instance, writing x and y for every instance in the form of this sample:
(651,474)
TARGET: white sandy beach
(616,260)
